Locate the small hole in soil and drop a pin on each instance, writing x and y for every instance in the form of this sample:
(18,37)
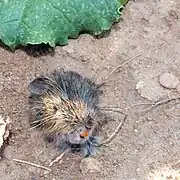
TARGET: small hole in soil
(39,50)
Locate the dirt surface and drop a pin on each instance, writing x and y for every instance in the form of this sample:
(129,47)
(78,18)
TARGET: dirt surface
(149,142)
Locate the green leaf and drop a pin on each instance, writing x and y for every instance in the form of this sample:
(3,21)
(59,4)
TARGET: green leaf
(25,22)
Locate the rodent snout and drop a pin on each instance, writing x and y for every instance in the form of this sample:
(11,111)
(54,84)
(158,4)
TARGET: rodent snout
(78,136)
(84,134)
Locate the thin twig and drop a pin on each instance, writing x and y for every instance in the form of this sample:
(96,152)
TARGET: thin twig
(152,105)
(121,110)
(57,159)
(176,164)
(32,164)
(160,103)
(175,116)
(113,135)
(112,109)
(138,104)
(123,64)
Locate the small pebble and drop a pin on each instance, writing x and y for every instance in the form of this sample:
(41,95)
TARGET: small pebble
(138,169)
(46,172)
(169,81)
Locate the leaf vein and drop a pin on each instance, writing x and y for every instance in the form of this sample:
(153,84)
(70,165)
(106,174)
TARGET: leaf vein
(10,21)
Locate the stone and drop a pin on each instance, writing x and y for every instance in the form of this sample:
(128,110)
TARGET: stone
(169,81)
(150,89)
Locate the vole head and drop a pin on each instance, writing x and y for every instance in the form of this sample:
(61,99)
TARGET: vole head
(60,114)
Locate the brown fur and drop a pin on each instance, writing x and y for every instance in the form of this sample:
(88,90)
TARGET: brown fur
(61,115)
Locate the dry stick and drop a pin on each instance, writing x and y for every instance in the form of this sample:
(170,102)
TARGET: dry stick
(175,116)
(32,164)
(57,159)
(138,104)
(176,164)
(152,105)
(113,135)
(126,62)
(123,64)
(112,109)
(121,110)
(120,66)
(160,103)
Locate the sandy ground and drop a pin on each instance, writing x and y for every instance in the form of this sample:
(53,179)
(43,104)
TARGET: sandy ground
(148,143)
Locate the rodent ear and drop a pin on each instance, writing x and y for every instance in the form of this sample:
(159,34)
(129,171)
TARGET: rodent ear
(39,86)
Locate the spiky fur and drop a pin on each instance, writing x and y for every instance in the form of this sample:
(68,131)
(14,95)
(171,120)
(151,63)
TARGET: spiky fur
(63,101)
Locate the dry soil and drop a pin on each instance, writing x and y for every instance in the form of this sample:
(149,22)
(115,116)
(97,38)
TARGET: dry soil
(148,145)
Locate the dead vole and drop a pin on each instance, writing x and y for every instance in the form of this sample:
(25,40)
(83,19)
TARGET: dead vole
(64,104)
